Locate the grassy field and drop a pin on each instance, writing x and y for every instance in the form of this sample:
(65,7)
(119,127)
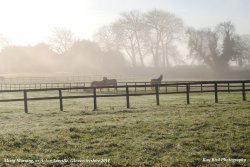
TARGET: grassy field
(172,134)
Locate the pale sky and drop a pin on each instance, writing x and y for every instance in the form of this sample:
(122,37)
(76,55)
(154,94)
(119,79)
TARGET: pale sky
(31,21)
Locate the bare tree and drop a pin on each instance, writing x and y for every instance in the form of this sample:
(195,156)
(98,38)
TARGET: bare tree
(129,33)
(163,28)
(246,51)
(242,50)
(136,23)
(203,46)
(61,40)
(217,48)
(106,39)
(139,35)
(226,34)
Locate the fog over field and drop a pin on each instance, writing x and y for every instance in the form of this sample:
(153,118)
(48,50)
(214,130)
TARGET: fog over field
(124,83)
(177,39)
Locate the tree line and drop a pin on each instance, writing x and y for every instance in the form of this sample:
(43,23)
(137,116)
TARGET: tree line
(156,34)
(153,39)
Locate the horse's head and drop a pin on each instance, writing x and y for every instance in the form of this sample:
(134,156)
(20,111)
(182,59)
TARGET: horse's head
(161,76)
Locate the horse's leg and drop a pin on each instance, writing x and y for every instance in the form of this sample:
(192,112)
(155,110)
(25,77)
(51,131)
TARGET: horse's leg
(152,86)
(116,88)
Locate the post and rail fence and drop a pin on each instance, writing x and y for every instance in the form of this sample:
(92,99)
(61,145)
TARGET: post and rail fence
(137,89)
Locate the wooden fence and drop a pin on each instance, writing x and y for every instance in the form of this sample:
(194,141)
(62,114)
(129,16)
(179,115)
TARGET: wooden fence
(138,89)
(69,85)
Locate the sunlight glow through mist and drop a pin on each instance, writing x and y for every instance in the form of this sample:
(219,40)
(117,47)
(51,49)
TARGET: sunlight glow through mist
(31,21)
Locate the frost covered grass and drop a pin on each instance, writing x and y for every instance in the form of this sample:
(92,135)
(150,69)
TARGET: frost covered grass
(172,134)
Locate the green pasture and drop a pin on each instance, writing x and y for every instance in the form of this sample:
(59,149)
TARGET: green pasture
(172,134)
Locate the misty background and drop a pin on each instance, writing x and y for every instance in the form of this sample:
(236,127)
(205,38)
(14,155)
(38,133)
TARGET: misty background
(136,42)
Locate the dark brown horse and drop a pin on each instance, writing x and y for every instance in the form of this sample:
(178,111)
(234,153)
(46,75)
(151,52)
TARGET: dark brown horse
(104,82)
(156,81)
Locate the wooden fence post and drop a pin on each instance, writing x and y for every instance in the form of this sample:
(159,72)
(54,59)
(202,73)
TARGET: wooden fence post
(243,92)
(127,97)
(25,101)
(177,89)
(228,87)
(135,86)
(83,86)
(60,100)
(216,92)
(157,94)
(94,95)
(187,91)
(201,88)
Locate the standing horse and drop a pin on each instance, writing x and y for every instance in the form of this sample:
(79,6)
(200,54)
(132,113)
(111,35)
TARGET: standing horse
(99,83)
(156,81)
(104,82)
(111,82)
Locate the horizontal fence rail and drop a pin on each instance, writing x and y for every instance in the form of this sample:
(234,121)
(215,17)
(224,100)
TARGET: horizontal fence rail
(133,89)
(18,86)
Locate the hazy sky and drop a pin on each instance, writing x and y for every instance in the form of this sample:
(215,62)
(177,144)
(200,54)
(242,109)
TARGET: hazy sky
(31,21)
